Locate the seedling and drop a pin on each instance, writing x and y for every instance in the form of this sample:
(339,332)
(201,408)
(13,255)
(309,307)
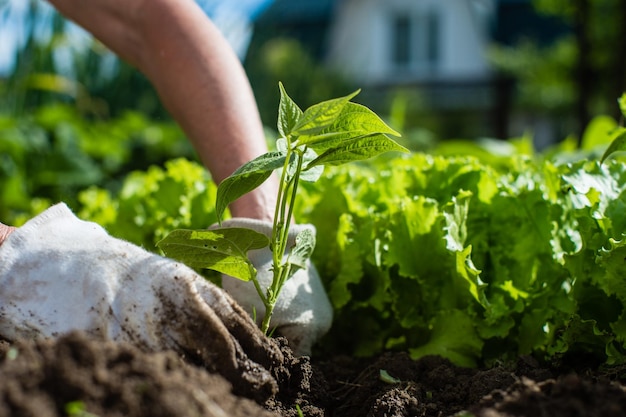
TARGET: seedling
(332,132)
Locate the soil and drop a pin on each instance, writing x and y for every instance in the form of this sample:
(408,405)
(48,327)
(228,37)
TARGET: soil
(78,376)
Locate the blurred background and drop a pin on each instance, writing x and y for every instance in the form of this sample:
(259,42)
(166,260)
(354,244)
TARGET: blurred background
(73,115)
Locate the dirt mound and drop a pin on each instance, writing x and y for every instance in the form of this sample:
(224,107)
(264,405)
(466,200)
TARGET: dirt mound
(78,376)
(395,385)
(75,375)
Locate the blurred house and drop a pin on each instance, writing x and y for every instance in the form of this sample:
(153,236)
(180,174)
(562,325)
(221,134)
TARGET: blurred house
(439,45)
(436,48)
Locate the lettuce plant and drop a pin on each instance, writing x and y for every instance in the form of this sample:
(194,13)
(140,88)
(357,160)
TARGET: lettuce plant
(332,132)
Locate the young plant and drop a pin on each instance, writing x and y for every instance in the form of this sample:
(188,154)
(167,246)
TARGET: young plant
(332,132)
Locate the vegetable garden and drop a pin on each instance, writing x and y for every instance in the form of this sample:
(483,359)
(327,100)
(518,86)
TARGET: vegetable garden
(477,264)
(480,256)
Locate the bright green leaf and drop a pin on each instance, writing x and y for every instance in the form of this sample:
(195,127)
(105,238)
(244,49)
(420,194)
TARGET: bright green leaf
(312,173)
(354,121)
(288,113)
(248,177)
(598,132)
(622,104)
(357,149)
(319,116)
(223,250)
(618,143)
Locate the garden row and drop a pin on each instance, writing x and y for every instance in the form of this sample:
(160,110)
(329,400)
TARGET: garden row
(477,251)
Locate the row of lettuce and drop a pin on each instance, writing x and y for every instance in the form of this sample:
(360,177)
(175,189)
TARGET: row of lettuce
(55,152)
(476,251)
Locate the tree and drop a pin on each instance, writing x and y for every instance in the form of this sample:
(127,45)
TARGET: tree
(583,72)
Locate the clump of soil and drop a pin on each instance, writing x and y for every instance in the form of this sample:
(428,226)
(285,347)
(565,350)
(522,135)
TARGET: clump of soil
(46,379)
(103,378)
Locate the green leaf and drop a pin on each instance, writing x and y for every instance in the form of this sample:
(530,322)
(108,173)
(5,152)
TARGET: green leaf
(598,132)
(618,143)
(354,121)
(311,173)
(622,104)
(349,259)
(453,337)
(319,116)
(223,250)
(248,177)
(288,113)
(303,249)
(357,149)
(308,175)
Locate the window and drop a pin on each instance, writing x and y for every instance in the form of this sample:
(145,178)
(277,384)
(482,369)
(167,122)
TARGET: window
(415,41)
(401,46)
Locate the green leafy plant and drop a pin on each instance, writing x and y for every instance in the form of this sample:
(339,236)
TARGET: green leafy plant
(618,135)
(478,251)
(332,132)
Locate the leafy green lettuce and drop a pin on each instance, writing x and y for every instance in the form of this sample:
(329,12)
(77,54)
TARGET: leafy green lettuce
(474,261)
(478,254)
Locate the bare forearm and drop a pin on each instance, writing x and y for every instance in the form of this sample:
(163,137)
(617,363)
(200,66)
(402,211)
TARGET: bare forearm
(203,84)
(5,231)
(199,78)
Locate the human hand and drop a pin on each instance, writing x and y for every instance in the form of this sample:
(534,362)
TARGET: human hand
(60,274)
(303,313)
(5,231)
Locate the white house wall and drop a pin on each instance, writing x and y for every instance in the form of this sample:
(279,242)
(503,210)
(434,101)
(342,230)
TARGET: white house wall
(360,41)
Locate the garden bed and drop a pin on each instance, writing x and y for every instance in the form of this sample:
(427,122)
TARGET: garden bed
(79,376)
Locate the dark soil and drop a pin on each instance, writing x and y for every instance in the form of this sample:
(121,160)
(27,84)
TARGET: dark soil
(81,377)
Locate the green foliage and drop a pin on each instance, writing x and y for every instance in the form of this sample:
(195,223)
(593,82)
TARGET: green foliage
(576,76)
(53,153)
(543,73)
(618,134)
(151,204)
(77,409)
(56,63)
(224,250)
(332,132)
(477,256)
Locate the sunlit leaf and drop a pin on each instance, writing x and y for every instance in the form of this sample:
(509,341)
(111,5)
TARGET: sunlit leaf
(223,250)
(355,120)
(302,251)
(248,177)
(357,149)
(319,116)
(288,113)
(313,173)
(618,143)
(622,104)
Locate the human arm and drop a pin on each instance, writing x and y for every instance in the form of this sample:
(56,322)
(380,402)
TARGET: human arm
(5,231)
(197,75)
(202,83)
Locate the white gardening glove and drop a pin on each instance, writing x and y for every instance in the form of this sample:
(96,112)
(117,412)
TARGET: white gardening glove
(59,273)
(303,312)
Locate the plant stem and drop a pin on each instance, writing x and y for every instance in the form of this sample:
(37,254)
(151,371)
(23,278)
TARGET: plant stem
(280,233)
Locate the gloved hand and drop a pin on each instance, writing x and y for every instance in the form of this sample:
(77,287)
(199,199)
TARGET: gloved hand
(303,312)
(59,273)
